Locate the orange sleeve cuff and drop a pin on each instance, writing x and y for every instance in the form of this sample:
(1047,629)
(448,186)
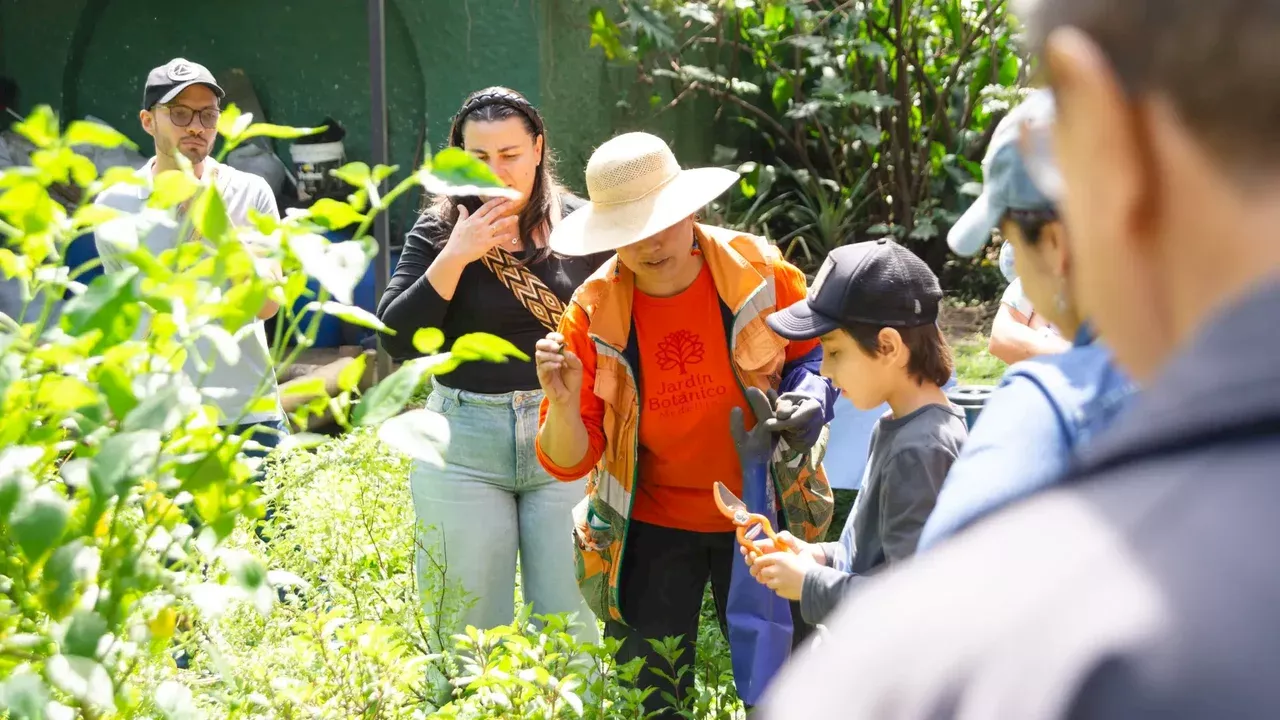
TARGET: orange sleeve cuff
(576,472)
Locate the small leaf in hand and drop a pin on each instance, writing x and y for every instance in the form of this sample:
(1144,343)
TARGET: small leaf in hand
(428,340)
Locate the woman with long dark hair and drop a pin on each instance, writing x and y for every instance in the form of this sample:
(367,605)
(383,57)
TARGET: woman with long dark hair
(470,266)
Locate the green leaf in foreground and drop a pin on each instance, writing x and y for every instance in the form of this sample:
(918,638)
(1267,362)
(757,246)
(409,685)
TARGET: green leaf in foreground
(386,399)
(39,521)
(209,214)
(87,132)
(170,188)
(483,346)
(83,679)
(421,434)
(454,171)
(40,127)
(334,215)
(352,314)
(428,340)
(349,376)
(280,132)
(24,696)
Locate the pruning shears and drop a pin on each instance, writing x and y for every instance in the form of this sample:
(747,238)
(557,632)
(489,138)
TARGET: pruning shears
(750,525)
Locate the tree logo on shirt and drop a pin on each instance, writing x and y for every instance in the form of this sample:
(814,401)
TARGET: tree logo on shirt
(680,349)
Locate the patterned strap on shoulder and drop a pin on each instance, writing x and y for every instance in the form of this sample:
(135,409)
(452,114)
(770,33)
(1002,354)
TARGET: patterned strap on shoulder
(532,293)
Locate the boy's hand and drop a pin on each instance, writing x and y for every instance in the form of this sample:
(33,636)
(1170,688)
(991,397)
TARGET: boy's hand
(797,546)
(783,572)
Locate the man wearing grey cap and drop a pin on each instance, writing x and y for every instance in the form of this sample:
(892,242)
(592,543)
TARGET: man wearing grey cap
(180,110)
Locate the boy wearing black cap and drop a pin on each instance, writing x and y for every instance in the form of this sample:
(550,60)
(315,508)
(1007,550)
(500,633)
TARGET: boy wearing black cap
(874,306)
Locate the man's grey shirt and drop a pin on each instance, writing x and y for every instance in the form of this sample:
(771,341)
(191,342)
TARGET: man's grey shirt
(158,231)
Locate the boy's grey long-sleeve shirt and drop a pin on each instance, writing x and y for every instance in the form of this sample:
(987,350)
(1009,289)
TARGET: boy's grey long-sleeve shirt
(910,458)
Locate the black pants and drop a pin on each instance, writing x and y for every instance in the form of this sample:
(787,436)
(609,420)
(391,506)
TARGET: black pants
(664,576)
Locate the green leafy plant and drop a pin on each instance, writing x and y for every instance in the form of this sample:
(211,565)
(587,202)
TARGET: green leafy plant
(883,107)
(118,490)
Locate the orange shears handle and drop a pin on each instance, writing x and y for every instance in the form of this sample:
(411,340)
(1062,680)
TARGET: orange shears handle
(756,519)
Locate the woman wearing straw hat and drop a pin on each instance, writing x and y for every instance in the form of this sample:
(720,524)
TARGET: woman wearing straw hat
(472,267)
(651,356)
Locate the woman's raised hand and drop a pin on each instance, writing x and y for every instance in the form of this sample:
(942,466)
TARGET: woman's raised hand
(559,370)
(490,226)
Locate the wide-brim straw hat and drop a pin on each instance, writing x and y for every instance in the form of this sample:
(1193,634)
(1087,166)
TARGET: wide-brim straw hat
(637,189)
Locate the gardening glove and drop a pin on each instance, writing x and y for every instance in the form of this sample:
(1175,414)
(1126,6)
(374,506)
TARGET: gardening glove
(754,447)
(798,418)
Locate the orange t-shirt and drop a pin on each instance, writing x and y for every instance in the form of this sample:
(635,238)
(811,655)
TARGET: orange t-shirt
(687,389)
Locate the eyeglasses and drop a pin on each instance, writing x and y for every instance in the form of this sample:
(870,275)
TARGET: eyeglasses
(181,115)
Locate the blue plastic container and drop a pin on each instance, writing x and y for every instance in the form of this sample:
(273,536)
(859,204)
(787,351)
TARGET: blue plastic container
(970,398)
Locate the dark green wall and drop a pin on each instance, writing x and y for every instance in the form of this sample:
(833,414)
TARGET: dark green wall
(309,58)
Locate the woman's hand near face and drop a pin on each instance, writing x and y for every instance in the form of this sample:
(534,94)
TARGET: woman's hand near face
(494,223)
(475,235)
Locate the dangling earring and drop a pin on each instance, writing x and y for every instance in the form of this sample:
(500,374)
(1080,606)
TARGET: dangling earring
(616,269)
(695,250)
(1060,300)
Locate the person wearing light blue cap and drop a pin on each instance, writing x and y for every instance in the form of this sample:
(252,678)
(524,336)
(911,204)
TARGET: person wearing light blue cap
(1046,407)
(1019,332)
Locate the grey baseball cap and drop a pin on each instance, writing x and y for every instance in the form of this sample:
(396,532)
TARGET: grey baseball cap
(1008,182)
(169,80)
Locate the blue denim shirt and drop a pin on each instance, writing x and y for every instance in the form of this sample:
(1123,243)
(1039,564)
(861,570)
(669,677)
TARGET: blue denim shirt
(1028,433)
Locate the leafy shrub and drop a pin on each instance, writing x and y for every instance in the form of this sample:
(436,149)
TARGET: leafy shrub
(859,119)
(118,491)
(351,638)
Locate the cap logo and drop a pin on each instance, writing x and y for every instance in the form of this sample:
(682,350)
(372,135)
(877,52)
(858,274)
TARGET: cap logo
(821,278)
(181,71)
(918,308)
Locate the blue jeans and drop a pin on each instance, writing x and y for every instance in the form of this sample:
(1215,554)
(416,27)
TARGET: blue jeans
(491,502)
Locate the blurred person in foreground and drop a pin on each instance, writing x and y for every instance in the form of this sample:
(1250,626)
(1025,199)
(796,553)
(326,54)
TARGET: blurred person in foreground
(1146,587)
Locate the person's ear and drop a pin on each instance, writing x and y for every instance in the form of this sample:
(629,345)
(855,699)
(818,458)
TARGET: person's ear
(1053,238)
(892,349)
(537,148)
(148,120)
(1103,123)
